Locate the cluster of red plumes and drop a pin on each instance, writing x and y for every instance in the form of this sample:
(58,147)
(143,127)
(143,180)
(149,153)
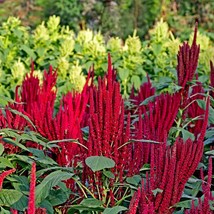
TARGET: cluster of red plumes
(114,133)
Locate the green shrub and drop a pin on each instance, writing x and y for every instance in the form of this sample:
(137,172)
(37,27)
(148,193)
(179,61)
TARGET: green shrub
(73,55)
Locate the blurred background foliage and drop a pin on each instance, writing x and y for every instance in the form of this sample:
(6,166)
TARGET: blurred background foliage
(115,17)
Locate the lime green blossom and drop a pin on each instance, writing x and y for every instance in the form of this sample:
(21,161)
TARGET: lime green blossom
(41,32)
(76,78)
(84,36)
(133,44)
(160,31)
(114,44)
(53,23)
(18,70)
(63,66)
(67,47)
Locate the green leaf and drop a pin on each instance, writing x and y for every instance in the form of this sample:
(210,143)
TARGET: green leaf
(9,197)
(156,191)
(134,180)
(114,210)
(184,204)
(29,51)
(58,197)
(48,206)
(53,179)
(123,74)
(4,162)
(149,99)
(91,202)
(97,163)
(209,152)
(1,149)
(21,204)
(3,211)
(202,104)
(136,81)
(108,174)
(209,141)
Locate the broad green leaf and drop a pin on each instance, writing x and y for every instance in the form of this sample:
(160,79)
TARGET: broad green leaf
(53,179)
(9,197)
(91,202)
(97,163)
(136,81)
(4,162)
(58,197)
(21,204)
(48,206)
(114,210)
(123,74)
(108,174)
(15,143)
(134,180)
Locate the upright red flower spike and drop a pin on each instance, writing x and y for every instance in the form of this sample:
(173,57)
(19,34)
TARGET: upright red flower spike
(134,202)
(154,125)
(109,130)
(4,174)
(170,168)
(187,60)
(31,202)
(194,111)
(146,90)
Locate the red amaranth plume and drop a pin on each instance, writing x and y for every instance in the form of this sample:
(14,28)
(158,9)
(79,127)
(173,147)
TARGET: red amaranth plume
(39,100)
(154,125)
(170,169)
(146,90)
(187,60)
(4,174)
(203,205)
(194,111)
(31,202)
(108,132)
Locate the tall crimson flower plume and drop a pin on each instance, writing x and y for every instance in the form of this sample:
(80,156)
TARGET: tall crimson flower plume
(109,130)
(187,60)
(146,90)
(39,99)
(171,167)
(194,111)
(154,125)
